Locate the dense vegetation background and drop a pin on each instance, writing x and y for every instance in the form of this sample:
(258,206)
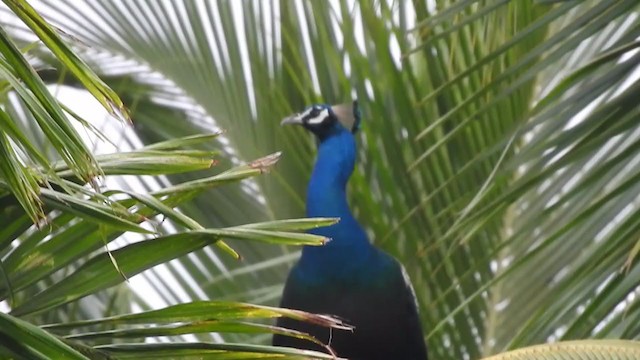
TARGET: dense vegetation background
(498,162)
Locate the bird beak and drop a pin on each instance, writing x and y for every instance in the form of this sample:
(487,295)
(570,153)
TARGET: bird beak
(292,120)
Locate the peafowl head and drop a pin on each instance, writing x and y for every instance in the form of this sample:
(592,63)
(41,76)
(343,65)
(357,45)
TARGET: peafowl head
(327,120)
(334,127)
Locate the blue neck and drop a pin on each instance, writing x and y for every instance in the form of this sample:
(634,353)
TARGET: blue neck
(326,197)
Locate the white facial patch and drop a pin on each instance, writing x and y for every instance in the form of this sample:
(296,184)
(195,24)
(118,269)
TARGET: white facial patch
(319,118)
(305,113)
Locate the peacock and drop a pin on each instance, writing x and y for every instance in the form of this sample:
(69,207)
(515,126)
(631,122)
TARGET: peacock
(348,277)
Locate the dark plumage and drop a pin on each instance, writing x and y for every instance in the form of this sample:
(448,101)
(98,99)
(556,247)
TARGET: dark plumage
(348,277)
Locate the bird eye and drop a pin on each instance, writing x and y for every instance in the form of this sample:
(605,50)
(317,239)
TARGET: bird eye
(316,115)
(315,111)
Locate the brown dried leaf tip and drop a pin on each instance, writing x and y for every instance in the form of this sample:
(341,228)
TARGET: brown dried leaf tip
(264,163)
(324,320)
